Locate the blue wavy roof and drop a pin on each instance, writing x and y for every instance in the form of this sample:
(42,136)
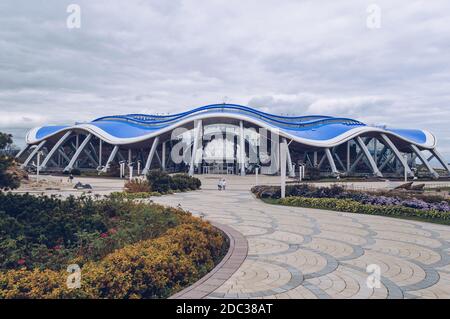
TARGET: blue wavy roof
(311,127)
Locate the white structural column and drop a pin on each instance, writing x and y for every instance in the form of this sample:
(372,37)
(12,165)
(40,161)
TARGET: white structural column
(61,152)
(388,160)
(424,161)
(331,161)
(242,147)
(110,158)
(397,154)
(197,130)
(163,156)
(100,151)
(33,153)
(22,151)
(54,149)
(440,158)
(283,155)
(289,160)
(78,152)
(348,156)
(150,156)
(369,157)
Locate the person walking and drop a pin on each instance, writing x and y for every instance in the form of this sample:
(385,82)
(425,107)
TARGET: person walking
(224,183)
(220,185)
(71,178)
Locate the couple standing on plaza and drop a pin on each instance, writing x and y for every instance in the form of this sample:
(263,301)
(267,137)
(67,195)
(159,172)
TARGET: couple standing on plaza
(222,184)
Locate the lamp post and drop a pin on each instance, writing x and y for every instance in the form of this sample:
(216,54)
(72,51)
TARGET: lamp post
(130,170)
(38,166)
(122,169)
(283,151)
(301,172)
(405,156)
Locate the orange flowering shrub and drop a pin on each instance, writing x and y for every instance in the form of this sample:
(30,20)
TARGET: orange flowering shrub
(137,186)
(154,268)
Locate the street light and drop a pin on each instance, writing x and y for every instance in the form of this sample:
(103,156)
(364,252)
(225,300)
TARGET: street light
(38,166)
(122,169)
(405,156)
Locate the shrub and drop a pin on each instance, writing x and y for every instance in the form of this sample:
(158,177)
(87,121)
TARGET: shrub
(46,232)
(131,196)
(162,182)
(154,268)
(9,176)
(159,181)
(351,206)
(137,185)
(383,198)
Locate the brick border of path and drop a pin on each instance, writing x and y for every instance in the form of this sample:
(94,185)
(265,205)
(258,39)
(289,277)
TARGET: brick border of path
(235,256)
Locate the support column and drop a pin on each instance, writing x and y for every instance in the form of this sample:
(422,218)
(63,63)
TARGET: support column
(61,152)
(78,152)
(440,158)
(331,161)
(375,151)
(163,155)
(283,153)
(150,156)
(348,156)
(289,161)
(315,159)
(424,161)
(369,157)
(54,149)
(387,160)
(242,147)
(100,151)
(397,154)
(110,158)
(77,145)
(197,128)
(22,151)
(33,153)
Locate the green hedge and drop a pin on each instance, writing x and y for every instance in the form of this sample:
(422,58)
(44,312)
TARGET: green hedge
(351,206)
(163,183)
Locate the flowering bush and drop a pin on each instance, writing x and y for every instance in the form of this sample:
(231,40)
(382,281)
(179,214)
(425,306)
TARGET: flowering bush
(351,206)
(47,232)
(381,198)
(137,186)
(125,249)
(154,268)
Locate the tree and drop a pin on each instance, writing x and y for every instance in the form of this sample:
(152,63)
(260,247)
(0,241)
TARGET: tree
(9,179)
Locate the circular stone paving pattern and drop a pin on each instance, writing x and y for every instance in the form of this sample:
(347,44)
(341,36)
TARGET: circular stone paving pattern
(306,253)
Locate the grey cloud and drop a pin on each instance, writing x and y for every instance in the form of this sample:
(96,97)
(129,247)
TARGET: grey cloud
(290,57)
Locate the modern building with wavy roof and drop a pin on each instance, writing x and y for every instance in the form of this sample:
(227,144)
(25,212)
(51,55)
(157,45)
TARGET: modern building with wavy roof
(323,145)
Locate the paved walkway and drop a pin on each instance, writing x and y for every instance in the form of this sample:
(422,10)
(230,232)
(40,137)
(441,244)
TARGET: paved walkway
(305,253)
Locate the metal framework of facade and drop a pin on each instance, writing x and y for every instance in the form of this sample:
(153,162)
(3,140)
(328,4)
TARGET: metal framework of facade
(323,144)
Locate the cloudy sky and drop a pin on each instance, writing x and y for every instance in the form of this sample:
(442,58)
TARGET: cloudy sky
(289,57)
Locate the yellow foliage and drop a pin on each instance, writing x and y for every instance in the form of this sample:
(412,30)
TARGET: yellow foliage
(153,268)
